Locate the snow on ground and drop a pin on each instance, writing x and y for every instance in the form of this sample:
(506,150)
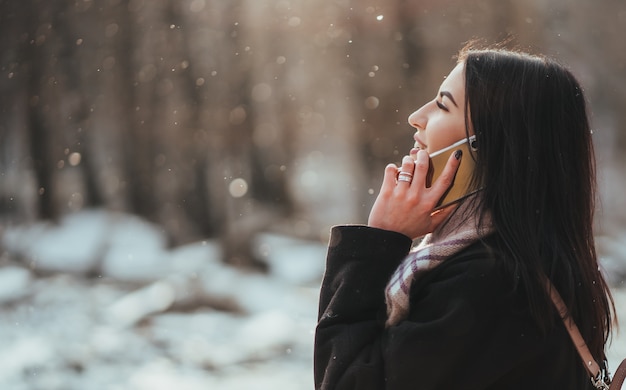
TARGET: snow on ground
(99,303)
(124,312)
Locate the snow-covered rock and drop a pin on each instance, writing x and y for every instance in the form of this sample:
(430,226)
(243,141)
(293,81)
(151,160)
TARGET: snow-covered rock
(27,352)
(17,240)
(251,292)
(75,245)
(293,260)
(192,258)
(121,246)
(136,251)
(267,332)
(137,305)
(15,283)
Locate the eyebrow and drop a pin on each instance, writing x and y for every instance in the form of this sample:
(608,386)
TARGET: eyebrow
(449,96)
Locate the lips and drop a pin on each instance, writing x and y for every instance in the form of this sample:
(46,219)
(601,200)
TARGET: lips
(416,148)
(418,143)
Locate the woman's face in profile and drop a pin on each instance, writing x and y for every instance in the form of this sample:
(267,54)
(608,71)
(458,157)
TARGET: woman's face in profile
(441,122)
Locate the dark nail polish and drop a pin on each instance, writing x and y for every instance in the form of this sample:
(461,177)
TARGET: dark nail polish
(458,154)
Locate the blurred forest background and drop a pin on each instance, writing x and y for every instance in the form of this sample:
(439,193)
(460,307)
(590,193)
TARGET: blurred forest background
(223,118)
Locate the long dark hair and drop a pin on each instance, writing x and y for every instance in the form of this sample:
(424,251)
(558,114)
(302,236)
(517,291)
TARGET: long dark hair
(537,168)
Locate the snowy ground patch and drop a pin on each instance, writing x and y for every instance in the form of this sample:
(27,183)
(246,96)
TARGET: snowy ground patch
(125,312)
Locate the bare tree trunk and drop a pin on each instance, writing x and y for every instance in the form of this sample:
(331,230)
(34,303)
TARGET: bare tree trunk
(234,127)
(41,136)
(78,102)
(13,103)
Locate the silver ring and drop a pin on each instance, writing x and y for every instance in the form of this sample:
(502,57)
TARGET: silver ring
(406,178)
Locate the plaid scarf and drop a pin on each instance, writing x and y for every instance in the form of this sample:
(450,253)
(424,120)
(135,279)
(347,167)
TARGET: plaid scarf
(434,248)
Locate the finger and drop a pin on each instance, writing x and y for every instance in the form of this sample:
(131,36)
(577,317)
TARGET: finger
(446,178)
(422,164)
(406,171)
(408,164)
(389,178)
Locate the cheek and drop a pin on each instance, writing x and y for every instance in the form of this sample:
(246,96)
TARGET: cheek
(444,134)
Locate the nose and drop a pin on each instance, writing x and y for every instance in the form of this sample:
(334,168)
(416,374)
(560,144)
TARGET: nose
(418,119)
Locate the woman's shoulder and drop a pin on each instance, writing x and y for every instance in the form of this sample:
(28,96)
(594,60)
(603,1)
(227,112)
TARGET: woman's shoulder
(470,307)
(476,272)
(473,288)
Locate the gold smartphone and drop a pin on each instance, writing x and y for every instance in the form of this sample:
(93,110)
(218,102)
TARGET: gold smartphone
(460,188)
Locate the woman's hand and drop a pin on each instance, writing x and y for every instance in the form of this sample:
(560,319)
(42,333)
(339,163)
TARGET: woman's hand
(405,205)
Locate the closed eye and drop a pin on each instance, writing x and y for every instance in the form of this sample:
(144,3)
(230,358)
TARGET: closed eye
(440,105)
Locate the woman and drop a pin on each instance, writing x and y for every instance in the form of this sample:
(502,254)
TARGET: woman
(468,308)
